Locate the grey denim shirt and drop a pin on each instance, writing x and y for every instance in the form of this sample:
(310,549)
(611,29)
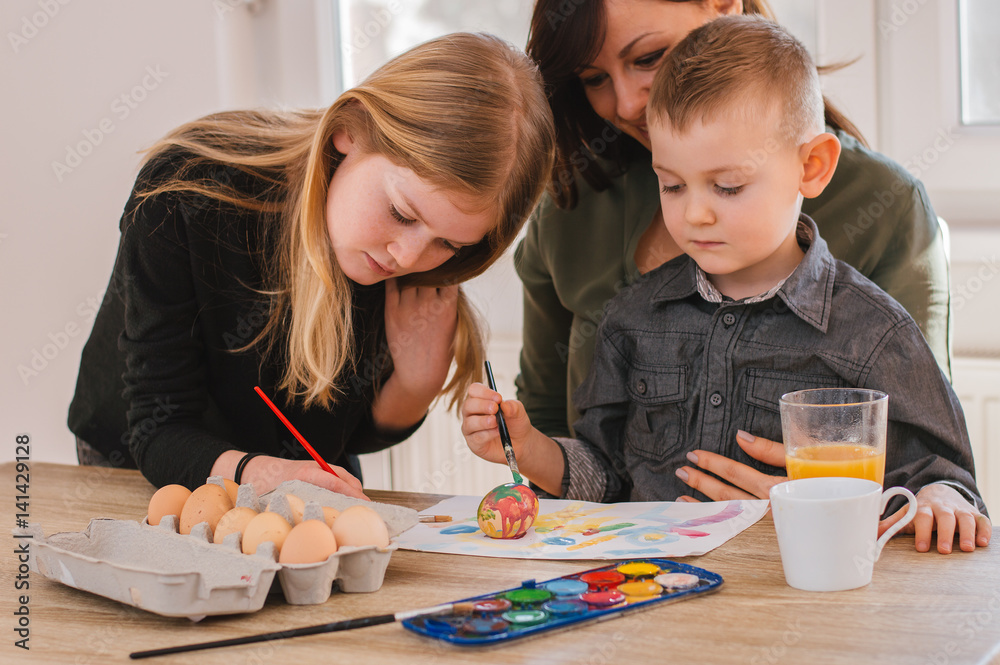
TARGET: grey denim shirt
(673,372)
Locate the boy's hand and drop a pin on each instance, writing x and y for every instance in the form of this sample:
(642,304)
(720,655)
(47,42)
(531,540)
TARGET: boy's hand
(480,428)
(943,508)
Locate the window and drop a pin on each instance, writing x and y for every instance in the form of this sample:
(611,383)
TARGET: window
(373,31)
(979,61)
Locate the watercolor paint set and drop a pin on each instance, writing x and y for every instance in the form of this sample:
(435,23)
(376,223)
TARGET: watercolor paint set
(566,602)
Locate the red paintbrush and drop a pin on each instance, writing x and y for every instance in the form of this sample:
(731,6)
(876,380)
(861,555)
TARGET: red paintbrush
(291,428)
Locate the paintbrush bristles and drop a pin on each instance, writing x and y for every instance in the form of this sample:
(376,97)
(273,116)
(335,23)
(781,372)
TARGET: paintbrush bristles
(435,518)
(463,608)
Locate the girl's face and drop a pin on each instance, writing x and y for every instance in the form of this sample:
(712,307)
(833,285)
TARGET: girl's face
(639,34)
(384,221)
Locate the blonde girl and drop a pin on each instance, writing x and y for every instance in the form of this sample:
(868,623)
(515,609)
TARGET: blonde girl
(317,254)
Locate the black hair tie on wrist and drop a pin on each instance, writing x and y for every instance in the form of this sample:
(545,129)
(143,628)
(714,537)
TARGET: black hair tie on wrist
(237,477)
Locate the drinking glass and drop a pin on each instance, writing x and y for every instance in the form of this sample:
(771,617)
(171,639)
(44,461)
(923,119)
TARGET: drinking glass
(835,432)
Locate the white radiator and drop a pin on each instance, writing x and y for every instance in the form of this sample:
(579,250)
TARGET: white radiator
(977,383)
(437,460)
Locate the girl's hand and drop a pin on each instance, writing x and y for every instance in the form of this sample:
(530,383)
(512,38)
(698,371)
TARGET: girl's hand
(746,482)
(480,427)
(420,324)
(943,508)
(538,457)
(266,473)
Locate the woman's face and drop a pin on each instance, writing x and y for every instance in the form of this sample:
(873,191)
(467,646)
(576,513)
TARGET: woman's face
(639,34)
(385,221)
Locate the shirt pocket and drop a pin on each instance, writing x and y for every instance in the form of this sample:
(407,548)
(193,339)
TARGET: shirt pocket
(762,410)
(656,411)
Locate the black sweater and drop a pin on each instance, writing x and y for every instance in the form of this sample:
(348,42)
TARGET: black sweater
(161,387)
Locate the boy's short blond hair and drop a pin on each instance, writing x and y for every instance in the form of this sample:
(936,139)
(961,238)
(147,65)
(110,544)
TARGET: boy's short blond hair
(739,63)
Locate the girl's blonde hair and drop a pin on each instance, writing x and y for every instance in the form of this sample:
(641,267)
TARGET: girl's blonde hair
(464,112)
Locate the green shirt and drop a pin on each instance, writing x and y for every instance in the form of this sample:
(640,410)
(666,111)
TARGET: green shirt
(873,215)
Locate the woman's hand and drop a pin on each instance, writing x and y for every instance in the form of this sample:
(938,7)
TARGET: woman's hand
(420,324)
(941,507)
(746,482)
(266,473)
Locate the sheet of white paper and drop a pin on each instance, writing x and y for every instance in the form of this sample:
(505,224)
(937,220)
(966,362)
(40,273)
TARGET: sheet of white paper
(582,530)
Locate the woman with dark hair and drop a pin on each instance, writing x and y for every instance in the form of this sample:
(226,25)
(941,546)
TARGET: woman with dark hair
(601,226)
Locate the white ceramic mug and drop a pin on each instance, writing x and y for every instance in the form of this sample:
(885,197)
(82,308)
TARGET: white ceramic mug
(827,530)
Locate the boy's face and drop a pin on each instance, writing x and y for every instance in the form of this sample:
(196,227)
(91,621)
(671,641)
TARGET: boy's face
(729,190)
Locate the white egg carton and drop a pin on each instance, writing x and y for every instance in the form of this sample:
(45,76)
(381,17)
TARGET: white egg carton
(355,569)
(154,569)
(159,570)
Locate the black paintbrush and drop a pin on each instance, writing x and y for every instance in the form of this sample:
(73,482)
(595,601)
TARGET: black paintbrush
(336,626)
(508,447)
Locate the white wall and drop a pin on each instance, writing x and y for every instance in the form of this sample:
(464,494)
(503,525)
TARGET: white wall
(87,85)
(98,82)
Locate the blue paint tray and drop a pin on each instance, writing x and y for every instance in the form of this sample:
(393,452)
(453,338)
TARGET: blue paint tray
(568,601)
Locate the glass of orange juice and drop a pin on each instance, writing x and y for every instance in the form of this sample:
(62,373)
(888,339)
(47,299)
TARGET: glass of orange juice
(835,432)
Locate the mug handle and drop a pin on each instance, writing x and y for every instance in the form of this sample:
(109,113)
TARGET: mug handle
(895,528)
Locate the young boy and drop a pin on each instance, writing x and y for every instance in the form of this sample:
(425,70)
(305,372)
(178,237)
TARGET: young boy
(700,349)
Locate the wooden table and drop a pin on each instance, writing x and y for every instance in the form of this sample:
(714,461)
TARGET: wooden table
(919,608)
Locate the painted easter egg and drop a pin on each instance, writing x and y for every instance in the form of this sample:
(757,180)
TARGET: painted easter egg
(508,511)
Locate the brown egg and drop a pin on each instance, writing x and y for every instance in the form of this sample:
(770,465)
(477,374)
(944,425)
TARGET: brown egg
(234,521)
(359,526)
(207,503)
(296,504)
(232,489)
(264,527)
(168,500)
(311,541)
(329,515)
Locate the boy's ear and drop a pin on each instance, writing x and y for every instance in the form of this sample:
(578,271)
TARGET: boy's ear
(819,161)
(727,7)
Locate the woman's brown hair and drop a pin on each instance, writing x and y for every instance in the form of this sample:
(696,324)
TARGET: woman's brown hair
(566,36)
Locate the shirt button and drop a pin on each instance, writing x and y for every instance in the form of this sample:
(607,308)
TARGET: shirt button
(715,399)
(729,318)
(641,387)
